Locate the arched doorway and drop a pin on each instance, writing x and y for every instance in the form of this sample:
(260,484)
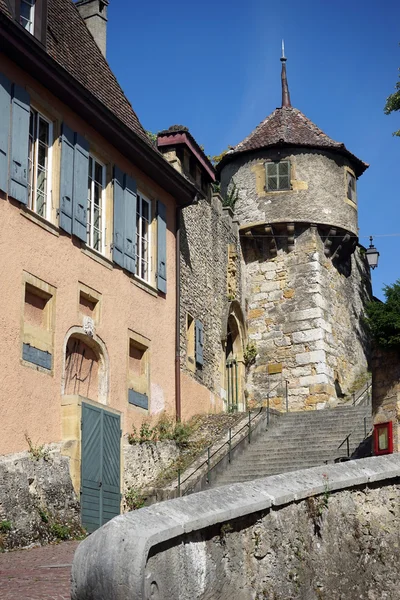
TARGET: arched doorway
(233,359)
(91,430)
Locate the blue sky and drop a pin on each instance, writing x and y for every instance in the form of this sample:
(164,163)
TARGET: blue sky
(214,67)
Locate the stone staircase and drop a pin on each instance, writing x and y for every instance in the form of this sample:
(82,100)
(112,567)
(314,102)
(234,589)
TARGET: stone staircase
(300,440)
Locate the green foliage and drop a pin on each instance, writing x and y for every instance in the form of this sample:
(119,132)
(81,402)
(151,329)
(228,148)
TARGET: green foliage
(44,515)
(152,137)
(250,354)
(383,318)
(218,157)
(164,429)
(60,531)
(393,103)
(5,526)
(36,452)
(134,499)
(231,197)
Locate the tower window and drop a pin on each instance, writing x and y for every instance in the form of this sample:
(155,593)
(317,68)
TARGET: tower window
(351,187)
(277,176)
(27,14)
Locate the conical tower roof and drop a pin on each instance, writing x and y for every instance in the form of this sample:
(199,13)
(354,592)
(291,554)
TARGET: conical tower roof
(288,126)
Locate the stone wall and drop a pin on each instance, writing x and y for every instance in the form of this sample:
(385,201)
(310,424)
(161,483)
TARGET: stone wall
(37,499)
(143,463)
(328,533)
(305,317)
(318,193)
(386,390)
(209,248)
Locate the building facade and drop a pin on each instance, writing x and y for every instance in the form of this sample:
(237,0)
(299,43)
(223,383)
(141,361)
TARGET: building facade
(307,279)
(88,212)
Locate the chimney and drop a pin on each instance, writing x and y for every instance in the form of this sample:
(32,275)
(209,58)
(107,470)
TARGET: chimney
(94,13)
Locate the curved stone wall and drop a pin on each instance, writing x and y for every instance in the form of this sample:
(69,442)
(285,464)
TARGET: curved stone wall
(318,194)
(328,533)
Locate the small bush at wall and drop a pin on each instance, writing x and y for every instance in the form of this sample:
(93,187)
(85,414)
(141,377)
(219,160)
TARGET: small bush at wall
(134,499)
(36,452)
(5,526)
(164,429)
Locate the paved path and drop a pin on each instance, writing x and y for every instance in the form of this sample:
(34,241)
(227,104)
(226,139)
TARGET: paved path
(38,573)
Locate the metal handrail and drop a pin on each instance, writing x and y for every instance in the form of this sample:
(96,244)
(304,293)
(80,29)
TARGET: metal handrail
(347,438)
(207,461)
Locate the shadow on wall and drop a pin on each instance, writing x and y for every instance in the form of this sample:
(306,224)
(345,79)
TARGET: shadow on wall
(81,369)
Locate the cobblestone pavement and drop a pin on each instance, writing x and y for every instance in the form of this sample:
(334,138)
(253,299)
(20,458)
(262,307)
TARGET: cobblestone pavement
(37,573)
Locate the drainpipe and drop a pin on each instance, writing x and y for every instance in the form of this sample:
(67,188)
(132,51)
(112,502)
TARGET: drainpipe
(178,213)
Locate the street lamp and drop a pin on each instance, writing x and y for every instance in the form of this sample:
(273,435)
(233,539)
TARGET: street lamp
(372,255)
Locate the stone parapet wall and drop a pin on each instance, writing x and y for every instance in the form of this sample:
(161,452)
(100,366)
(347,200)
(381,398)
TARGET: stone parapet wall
(386,390)
(210,280)
(305,316)
(327,533)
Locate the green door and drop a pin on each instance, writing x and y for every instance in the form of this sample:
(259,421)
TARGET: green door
(100,466)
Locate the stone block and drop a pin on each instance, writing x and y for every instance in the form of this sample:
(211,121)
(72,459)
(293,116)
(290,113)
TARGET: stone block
(301,371)
(322,388)
(255,313)
(284,341)
(309,335)
(313,380)
(308,313)
(274,368)
(269,286)
(275,295)
(288,293)
(310,357)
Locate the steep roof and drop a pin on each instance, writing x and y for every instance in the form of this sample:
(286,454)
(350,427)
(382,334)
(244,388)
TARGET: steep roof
(72,46)
(288,126)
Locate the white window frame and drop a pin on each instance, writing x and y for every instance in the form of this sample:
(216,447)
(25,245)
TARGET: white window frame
(30,24)
(90,224)
(138,248)
(32,195)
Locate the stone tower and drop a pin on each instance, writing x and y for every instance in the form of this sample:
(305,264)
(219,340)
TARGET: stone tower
(306,277)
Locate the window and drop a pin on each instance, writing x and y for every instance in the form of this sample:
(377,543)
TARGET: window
(95,207)
(39,164)
(351,186)
(143,220)
(38,323)
(138,370)
(190,351)
(27,15)
(277,176)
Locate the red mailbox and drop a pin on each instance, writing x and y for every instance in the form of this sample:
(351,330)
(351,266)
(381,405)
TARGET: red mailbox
(383,438)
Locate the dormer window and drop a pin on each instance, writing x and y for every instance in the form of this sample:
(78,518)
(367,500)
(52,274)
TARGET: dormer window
(277,176)
(27,15)
(351,186)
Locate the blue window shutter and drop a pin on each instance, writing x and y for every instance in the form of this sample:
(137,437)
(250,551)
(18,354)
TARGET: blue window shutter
(66,178)
(19,145)
(5,106)
(119,218)
(161,247)
(130,199)
(199,340)
(80,191)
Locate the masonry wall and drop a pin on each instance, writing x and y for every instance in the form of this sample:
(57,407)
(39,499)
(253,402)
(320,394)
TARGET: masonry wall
(209,236)
(317,194)
(386,390)
(305,317)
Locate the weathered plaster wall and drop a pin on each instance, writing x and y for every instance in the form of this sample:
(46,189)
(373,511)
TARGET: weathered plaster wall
(197,398)
(328,533)
(30,399)
(35,495)
(386,390)
(145,462)
(318,193)
(207,230)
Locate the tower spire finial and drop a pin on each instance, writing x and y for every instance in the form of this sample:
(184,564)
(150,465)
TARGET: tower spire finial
(285,87)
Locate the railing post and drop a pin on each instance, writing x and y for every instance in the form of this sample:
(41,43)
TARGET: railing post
(230,444)
(354,398)
(208,464)
(287,396)
(348,446)
(249,428)
(179,483)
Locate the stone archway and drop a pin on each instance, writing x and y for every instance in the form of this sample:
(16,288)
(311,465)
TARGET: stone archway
(232,363)
(85,366)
